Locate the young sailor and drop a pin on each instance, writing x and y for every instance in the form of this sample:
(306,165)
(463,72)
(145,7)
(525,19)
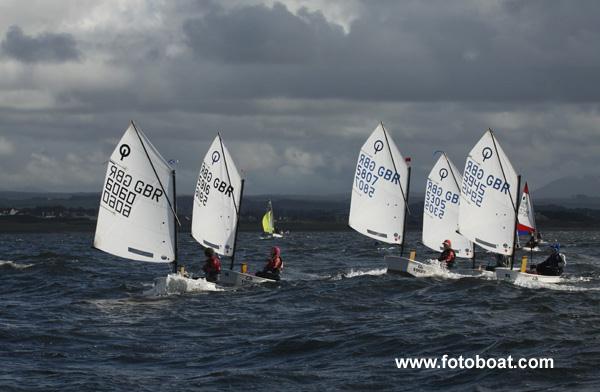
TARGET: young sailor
(273,267)
(533,242)
(212,265)
(554,264)
(448,255)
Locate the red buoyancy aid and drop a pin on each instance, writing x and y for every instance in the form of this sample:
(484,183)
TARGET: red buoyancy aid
(212,265)
(275,262)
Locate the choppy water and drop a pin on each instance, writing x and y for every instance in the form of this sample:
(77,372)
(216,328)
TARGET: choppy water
(75,319)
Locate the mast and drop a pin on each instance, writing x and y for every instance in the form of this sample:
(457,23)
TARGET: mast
(237,225)
(175,222)
(405,210)
(515,233)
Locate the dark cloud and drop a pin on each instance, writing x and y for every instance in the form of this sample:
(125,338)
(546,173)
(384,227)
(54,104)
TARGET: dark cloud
(406,51)
(295,95)
(263,35)
(46,47)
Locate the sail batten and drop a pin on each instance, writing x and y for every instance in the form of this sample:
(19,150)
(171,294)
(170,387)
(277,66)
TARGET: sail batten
(135,218)
(378,202)
(489,189)
(440,209)
(216,200)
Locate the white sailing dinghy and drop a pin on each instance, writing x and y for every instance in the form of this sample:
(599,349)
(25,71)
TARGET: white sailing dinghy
(137,217)
(440,221)
(378,205)
(526,217)
(268,224)
(489,204)
(216,211)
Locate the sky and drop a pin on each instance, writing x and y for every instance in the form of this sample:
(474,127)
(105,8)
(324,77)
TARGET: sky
(295,87)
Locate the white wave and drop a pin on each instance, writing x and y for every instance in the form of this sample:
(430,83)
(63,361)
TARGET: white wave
(354,273)
(553,286)
(177,284)
(14,265)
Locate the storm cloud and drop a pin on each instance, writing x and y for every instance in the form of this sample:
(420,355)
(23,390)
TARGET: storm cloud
(50,47)
(295,87)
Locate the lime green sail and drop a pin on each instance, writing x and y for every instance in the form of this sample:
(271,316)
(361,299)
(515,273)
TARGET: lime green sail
(267,220)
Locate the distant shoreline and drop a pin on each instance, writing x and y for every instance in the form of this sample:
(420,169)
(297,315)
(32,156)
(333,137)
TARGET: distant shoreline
(29,224)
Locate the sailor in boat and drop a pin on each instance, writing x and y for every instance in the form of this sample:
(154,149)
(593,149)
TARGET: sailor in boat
(448,255)
(533,242)
(553,265)
(274,266)
(212,265)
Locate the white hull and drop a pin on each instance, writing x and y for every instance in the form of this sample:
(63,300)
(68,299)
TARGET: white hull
(267,236)
(238,279)
(521,277)
(178,284)
(405,266)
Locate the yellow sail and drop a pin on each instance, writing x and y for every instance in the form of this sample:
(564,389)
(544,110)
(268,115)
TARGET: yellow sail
(267,222)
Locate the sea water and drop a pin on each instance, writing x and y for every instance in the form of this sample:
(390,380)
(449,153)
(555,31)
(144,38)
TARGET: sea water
(73,319)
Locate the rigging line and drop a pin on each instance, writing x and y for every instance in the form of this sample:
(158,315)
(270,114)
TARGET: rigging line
(395,170)
(227,171)
(502,169)
(155,173)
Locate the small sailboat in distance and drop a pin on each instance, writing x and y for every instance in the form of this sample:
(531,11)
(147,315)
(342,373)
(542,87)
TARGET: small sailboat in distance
(378,205)
(268,223)
(526,221)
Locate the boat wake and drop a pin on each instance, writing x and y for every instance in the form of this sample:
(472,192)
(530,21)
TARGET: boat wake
(174,284)
(554,286)
(354,273)
(12,264)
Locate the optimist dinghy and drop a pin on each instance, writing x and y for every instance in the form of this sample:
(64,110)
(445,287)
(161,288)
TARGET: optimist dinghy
(216,211)
(268,224)
(137,217)
(440,223)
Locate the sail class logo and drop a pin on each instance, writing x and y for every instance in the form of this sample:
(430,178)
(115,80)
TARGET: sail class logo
(124,150)
(487,153)
(378,146)
(443,173)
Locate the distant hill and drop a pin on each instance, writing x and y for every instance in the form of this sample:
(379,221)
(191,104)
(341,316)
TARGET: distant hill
(569,187)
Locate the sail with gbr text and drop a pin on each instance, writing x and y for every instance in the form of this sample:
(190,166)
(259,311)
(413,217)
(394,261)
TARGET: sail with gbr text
(377,205)
(217,200)
(440,210)
(136,216)
(489,191)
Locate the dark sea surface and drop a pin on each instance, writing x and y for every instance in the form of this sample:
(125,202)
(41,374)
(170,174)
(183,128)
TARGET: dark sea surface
(75,319)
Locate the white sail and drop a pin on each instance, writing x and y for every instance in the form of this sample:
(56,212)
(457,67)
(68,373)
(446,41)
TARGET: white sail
(377,205)
(216,200)
(440,210)
(135,218)
(489,192)
(526,215)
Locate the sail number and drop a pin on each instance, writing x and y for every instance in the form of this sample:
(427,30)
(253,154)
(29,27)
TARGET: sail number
(205,182)
(366,177)
(118,195)
(475,182)
(436,199)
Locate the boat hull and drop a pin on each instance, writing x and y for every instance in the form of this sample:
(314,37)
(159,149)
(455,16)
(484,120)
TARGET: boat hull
(238,279)
(513,276)
(417,269)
